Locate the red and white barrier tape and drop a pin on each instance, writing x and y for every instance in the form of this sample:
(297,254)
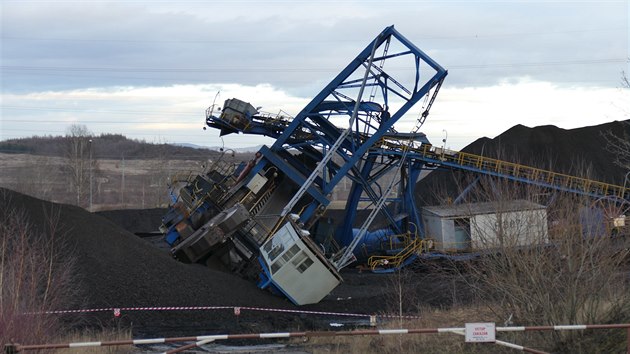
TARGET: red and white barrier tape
(237,310)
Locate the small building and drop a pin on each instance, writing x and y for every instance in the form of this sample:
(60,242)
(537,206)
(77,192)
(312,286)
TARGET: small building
(478,226)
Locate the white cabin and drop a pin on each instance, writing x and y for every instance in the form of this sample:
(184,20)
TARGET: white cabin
(478,226)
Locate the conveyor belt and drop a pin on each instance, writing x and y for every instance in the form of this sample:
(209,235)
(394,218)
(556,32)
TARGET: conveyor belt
(514,171)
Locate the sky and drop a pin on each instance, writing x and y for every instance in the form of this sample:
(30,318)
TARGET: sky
(149,69)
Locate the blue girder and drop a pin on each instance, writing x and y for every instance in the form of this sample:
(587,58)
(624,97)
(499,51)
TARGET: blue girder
(316,128)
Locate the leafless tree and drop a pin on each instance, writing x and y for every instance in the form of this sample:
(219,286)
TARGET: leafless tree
(35,275)
(618,142)
(161,172)
(570,271)
(38,178)
(79,160)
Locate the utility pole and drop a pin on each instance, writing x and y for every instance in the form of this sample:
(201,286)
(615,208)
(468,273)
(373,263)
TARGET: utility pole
(122,189)
(78,163)
(90,146)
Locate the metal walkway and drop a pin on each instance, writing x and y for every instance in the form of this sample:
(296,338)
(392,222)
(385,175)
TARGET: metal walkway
(514,171)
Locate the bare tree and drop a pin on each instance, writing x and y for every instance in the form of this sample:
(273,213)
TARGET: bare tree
(161,172)
(38,178)
(618,142)
(79,160)
(35,274)
(570,270)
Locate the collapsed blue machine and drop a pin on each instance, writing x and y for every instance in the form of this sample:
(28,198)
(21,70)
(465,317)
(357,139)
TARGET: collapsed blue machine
(264,219)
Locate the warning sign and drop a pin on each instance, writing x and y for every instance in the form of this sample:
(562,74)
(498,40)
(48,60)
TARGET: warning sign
(480,332)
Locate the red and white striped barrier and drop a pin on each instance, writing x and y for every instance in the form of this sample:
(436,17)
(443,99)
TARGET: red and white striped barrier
(213,337)
(237,311)
(200,340)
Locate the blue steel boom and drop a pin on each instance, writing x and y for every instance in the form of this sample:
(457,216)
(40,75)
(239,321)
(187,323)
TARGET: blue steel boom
(241,217)
(313,130)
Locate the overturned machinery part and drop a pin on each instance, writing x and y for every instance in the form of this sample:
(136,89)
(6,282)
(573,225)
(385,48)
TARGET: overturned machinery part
(213,233)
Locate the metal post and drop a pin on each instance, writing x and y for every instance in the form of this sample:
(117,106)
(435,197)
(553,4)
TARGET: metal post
(625,181)
(122,186)
(628,341)
(10,348)
(444,142)
(90,142)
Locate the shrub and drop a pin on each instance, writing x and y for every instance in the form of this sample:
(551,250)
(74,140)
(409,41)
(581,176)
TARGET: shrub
(576,277)
(34,278)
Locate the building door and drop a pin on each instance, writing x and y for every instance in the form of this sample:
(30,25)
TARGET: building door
(462,234)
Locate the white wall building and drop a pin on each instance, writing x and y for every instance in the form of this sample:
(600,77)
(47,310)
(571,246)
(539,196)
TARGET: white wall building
(476,226)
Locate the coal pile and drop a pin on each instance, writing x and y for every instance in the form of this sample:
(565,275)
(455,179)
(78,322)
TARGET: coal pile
(116,269)
(136,220)
(578,152)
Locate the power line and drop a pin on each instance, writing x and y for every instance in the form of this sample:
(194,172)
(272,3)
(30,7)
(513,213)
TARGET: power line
(543,63)
(31,131)
(246,81)
(149,70)
(250,69)
(105,75)
(92,122)
(106,111)
(352,40)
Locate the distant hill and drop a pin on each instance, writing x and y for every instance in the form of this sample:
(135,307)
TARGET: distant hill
(194,146)
(126,173)
(106,146)
(248,150)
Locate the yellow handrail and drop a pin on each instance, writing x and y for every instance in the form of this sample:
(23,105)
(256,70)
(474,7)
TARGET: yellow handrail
(414,246)
(515,170)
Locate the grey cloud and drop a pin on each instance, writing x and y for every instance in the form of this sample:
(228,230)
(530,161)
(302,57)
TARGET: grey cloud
(297,48)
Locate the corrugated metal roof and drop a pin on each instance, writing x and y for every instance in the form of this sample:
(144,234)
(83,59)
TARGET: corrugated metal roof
(481,208)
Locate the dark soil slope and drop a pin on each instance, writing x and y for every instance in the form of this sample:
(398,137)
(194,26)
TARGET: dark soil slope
(117,269)
(579,152)
(136,220)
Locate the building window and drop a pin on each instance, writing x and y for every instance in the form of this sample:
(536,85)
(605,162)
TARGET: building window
(285,258)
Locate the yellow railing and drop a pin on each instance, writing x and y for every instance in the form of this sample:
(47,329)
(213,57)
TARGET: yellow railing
(534,174)
(529,173)
(414,246)
(183,177)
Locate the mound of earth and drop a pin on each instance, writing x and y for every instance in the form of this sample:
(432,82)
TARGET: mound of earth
(579,152)
(136,220)
(116,269)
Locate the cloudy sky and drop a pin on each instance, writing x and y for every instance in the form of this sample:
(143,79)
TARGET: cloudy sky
(149,69)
